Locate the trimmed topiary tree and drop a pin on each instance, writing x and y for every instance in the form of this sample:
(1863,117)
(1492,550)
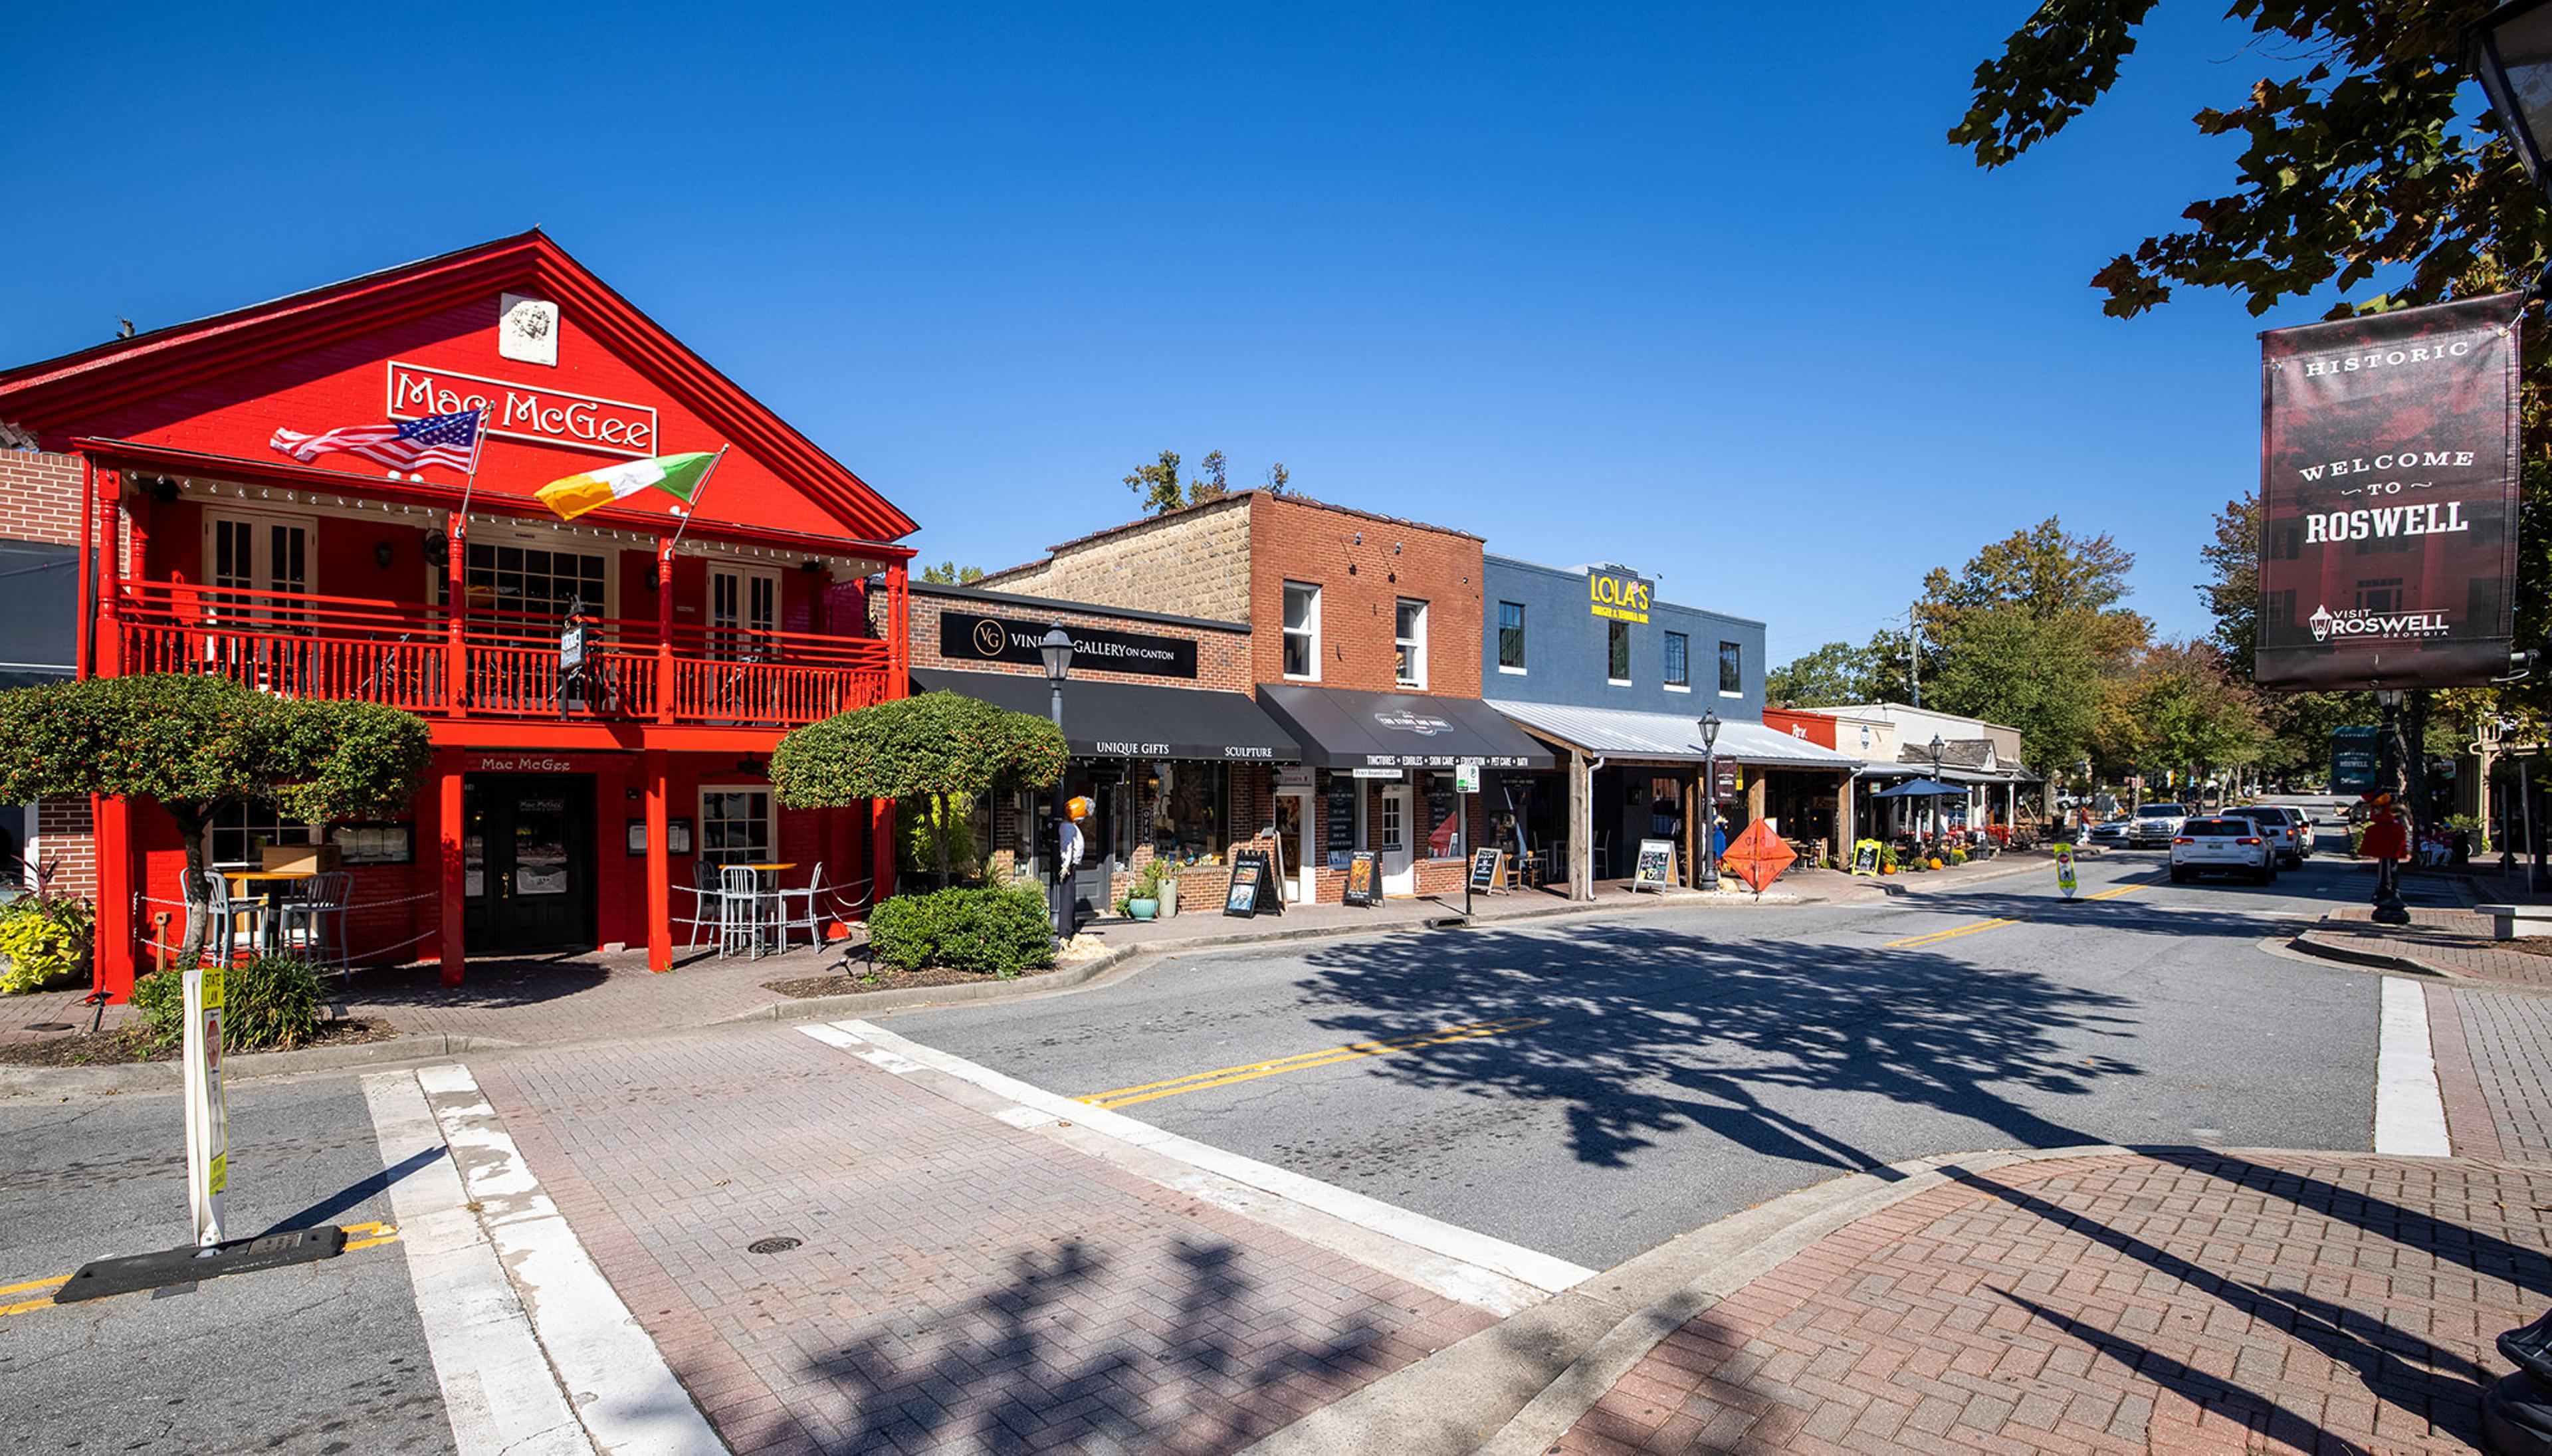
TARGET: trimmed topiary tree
(917,751)
(198,745)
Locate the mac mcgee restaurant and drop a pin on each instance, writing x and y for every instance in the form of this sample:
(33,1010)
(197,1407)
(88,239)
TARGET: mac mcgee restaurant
(562,811)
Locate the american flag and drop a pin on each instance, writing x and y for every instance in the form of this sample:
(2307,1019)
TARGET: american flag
(436,439)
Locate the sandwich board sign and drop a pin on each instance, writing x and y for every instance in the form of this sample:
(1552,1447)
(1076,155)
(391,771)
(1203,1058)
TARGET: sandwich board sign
(1656,867)
(2065,868)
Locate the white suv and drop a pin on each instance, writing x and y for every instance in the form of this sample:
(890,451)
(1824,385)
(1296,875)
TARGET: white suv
(2155,825)
(2282,828)
(2222,846)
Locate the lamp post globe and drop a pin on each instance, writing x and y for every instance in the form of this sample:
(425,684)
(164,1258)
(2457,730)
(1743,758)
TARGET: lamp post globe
(2510,55)
(1708,870)
(1056,647)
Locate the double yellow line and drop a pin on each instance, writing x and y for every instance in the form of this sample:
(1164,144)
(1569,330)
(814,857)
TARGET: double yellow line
(1917,942)
(357,1237)
(1127,1097)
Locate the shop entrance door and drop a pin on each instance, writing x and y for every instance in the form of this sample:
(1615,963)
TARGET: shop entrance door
(1294,832)
(1391,840)
(528,880)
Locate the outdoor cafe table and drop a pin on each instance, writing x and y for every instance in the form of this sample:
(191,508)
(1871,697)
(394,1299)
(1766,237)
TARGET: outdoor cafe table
(278,883)
(766,891)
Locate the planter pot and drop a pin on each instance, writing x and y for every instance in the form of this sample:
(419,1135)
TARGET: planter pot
(1143,910)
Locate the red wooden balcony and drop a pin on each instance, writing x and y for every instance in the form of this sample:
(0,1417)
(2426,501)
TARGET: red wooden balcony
(499,665)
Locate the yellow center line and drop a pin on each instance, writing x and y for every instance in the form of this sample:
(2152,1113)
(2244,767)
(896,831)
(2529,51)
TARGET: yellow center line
(374,1233)
(1302,1061)
(1934,937)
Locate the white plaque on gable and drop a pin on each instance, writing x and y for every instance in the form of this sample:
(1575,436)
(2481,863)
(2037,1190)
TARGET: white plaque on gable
(527,330)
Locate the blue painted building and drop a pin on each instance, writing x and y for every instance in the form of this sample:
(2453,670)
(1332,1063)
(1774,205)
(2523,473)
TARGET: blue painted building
(1592,662)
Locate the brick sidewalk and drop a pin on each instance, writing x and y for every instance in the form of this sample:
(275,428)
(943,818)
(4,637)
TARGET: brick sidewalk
(2198,1301)
(2449,942)
(963,1286)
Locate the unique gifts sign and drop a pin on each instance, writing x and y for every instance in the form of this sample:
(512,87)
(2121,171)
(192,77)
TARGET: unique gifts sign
(2388,498)
(524,411)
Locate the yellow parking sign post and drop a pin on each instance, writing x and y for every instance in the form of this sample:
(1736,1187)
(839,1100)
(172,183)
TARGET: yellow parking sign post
(2065,868)
(208,1144)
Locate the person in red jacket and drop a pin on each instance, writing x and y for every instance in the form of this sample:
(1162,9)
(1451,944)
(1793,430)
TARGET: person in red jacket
(2387,844)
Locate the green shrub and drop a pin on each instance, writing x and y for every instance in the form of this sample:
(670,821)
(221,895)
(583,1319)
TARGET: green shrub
(45,942)
(981,929)
(270,1003)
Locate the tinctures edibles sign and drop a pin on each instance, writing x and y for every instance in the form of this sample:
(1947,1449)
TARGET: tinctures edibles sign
(2388,498)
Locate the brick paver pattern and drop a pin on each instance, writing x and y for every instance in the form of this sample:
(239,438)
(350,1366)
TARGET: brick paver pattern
(2508,1037)
(2187,1303)
(962,1285)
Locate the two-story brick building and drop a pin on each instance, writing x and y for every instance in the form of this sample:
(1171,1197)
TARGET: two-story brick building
(570,798)
(1364,643)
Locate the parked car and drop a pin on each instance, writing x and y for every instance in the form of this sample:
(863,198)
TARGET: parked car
(2155,826)
(2222,846)
(2110,834)
(2284,830)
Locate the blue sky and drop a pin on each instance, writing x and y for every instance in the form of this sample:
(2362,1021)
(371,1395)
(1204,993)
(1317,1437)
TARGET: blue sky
(1688,287)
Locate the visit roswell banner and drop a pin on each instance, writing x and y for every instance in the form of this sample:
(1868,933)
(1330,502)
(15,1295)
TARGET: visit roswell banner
(2388,498)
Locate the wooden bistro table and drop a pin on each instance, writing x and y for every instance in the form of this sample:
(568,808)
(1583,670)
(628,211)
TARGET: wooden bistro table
(766,890)
(276,885)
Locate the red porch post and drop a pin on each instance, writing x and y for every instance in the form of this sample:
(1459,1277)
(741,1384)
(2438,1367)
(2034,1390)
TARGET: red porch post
(899,657)
(111,819)
(660,867)
(454,837)
(456,664)
(664,643)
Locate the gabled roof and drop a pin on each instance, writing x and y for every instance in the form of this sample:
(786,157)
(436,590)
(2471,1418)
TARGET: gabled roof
(55,397)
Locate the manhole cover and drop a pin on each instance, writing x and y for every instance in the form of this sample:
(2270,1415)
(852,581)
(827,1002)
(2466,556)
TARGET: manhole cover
(780,1245)
(49,1026)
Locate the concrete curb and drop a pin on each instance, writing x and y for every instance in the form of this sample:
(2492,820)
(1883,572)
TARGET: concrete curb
(1896,885)
(2304,944)
(126,1077)
(1514,1389)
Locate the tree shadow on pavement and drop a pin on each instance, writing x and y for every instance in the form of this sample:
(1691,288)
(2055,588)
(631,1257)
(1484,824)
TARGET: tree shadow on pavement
(1651,1030)
(1071,1354)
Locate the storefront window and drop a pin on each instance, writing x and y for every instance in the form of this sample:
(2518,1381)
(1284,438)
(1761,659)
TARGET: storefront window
(240,831)
(1187,808)
(1302,630)
(1617,650)
(1408,644)
(735,826)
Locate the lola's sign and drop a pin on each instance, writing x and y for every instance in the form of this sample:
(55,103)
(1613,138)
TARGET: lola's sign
(523,411)
(1619,595)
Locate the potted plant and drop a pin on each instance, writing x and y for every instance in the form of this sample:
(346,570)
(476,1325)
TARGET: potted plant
(1145,901)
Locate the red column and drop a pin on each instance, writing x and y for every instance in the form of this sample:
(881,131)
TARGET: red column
(660,867)
(664,643)
(455,668)
(453,830)
(899,649)
(111,819)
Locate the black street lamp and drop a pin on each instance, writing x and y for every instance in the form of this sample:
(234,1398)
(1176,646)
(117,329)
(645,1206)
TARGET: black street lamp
(1708,867)
(1056,647)
(2510,51)
(1937,815)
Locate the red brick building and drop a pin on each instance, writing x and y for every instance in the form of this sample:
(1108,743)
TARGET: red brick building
(1364,648)
(562,811)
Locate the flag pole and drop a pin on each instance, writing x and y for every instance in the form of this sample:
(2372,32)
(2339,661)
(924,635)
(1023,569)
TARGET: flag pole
(477,443)
(697,492)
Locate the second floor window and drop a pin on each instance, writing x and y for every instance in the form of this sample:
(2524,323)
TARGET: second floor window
(1617,650)
(1732,668)
(1679,660)
(1408,644)
(1302,630)
(1511,636)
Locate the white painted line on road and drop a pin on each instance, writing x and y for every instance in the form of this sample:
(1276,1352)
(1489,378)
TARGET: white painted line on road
(1529,1267)
(497,1391)
(619,1383)
(2409,1110)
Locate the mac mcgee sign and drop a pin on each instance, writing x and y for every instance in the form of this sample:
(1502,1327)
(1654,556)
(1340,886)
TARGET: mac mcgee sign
(2388,498)
(523,411)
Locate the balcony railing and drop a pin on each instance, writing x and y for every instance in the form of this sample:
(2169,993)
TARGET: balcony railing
(507,664)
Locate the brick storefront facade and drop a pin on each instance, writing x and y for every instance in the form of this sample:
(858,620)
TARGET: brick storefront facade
(40,501)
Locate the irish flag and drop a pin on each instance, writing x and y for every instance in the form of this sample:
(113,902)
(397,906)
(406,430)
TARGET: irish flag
(677,476)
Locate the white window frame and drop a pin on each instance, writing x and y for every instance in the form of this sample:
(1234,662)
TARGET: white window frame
(1412,648)
(1612,626)
(746,639)
(770,821)
(1311,632)
(249,820)
(489,532)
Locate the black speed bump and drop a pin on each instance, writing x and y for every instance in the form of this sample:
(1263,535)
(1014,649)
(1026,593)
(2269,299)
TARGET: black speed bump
(132,1273)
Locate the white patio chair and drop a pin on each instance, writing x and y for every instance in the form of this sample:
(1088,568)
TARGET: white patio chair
(313,921)
(812,914)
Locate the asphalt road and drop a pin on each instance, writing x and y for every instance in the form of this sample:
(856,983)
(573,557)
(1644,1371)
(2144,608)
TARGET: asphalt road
(309,1360)
(1616,1081)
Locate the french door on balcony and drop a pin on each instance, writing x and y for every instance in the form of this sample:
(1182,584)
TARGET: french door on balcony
(744,612)
(246,554)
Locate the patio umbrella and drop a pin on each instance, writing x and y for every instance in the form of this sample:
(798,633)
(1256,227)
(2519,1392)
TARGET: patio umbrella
(1920,789)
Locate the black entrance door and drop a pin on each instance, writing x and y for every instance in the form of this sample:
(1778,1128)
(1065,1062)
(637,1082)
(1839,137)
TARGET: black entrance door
(530,865)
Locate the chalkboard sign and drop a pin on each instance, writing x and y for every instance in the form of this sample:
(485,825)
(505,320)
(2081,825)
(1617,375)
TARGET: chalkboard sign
(1657,865)
(1265,898)
(1241,899)
(1364,878)
(1339,835)
(1489,871)
(1864,856)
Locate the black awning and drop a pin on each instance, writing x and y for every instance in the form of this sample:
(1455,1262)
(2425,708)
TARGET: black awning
(1340,728)
(1126,720)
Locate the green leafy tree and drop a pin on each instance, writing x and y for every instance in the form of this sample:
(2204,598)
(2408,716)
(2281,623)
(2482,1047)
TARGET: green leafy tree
(2010,666)
(949,574)
(1158,484)
(928,751)
(2299,724)
(1836,672)
(1214,486)
(197,746)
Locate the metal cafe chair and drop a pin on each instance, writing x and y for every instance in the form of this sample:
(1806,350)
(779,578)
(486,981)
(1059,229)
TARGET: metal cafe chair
(313,921)
(709,903)
(740,917)
(234,926)
(813,912)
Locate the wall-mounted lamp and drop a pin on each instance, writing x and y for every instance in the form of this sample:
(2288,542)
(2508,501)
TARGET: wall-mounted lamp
(437,548)
(811,566)
(381,555)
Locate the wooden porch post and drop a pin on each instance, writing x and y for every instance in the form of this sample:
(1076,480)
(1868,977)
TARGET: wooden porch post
(454,837)
(1694,811)
(660,867)
(663,653)
(1581,826)
(455,673)
(898,647)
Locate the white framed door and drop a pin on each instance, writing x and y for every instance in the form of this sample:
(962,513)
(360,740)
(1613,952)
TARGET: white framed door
(1294,832)
(245,553)
(1391,840)
(744,611)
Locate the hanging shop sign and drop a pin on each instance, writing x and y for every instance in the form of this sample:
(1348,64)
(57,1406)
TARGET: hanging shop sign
(973,637)
(2388,498)
(1619,595)
(2354,759)
(523,411)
